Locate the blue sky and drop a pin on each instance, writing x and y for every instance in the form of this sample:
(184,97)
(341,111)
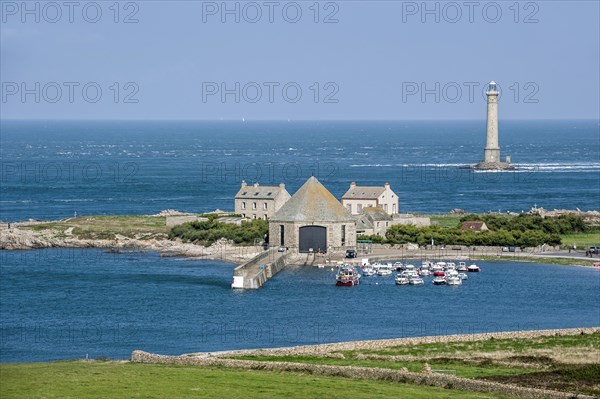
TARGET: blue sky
(360,60)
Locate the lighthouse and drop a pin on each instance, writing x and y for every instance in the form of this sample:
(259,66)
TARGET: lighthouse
(491,152)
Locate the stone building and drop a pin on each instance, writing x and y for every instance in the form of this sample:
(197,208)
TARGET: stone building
(474,226)
(374,221)
(260,202)
(359,197)
(312,220)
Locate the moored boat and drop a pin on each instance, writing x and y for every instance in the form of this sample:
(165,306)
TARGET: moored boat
(439,280)
(401,280)
(454,280)
(416,281)
(463,276)
(473,268)
(439,273)
(347,276)
(462,267)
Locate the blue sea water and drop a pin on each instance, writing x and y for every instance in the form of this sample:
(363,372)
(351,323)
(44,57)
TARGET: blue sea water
(66,303)
(73,303)
(52,169)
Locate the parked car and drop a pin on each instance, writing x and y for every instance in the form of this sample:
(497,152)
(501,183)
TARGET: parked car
(594,250)
(350,253)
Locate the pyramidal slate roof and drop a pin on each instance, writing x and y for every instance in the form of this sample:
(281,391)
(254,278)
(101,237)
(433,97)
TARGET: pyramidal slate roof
(312,203)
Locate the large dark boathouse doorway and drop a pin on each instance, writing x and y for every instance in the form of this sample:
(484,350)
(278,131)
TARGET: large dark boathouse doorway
(313,237)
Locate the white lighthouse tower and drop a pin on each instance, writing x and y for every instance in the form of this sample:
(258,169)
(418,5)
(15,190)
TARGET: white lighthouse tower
(491,153)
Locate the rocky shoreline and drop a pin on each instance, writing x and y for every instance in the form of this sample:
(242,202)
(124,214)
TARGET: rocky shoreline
(16,238)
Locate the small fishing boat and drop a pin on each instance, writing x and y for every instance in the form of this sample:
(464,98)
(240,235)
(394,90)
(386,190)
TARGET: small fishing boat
(439,280)
(384,272)
(416,281)
(401,280)
(424,272)
(463,276)
(398,266)
(462,267)
(473,268)
(347,276)
(454,280)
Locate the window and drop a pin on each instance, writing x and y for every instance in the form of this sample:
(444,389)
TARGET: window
(343,235)
(281,234)
(243,205)
(265,206)
(387,224)
(254,216)
(385,207)
(254,205)
(349,206)
(359,207)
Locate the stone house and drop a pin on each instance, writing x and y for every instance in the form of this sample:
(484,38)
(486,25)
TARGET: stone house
(359,197)
(260,202)
(474,226)
(312,220)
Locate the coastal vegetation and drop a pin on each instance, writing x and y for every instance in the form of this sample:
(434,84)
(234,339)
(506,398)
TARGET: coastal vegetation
(210,231)
(107,227)
(524,230)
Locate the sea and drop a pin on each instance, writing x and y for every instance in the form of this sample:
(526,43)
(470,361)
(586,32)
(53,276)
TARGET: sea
(92,303)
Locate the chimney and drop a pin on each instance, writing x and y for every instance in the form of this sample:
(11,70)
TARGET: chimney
(256,184)
(387,184)
(282,186)
(244,183)
(352,185)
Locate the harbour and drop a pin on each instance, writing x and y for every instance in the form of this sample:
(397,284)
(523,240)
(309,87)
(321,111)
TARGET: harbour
(117,303)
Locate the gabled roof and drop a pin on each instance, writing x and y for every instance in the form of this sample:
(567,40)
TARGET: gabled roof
(312,203)
(476,226)
(259,192)
(376,214)
(364,192)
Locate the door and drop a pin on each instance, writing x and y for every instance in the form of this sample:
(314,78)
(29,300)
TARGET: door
(314,237)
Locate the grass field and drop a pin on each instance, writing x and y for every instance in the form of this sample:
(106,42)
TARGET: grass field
(582,240)
(131,380)
(567,363)
(105,227)
(444,220)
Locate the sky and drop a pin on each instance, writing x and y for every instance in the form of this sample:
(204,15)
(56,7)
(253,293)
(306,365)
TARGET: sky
(302,60)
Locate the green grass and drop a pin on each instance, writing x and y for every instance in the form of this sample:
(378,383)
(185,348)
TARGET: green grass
(491,345)
(446,366)
(582,240)
(130,380)
(445,220)
(106,227)
(544,260)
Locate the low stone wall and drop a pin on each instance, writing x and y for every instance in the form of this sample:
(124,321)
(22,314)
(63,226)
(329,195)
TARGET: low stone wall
(316,350)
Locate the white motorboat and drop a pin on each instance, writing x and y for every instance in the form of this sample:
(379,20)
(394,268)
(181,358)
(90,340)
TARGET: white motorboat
(425,272)
(473,268)
(416,281)
(462,267)
(451,273)
(384,272)
(402,280)
(368,272)
(398,266)
(426,264)
(439,280)
(450,266)
(454,280)
(463,276)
